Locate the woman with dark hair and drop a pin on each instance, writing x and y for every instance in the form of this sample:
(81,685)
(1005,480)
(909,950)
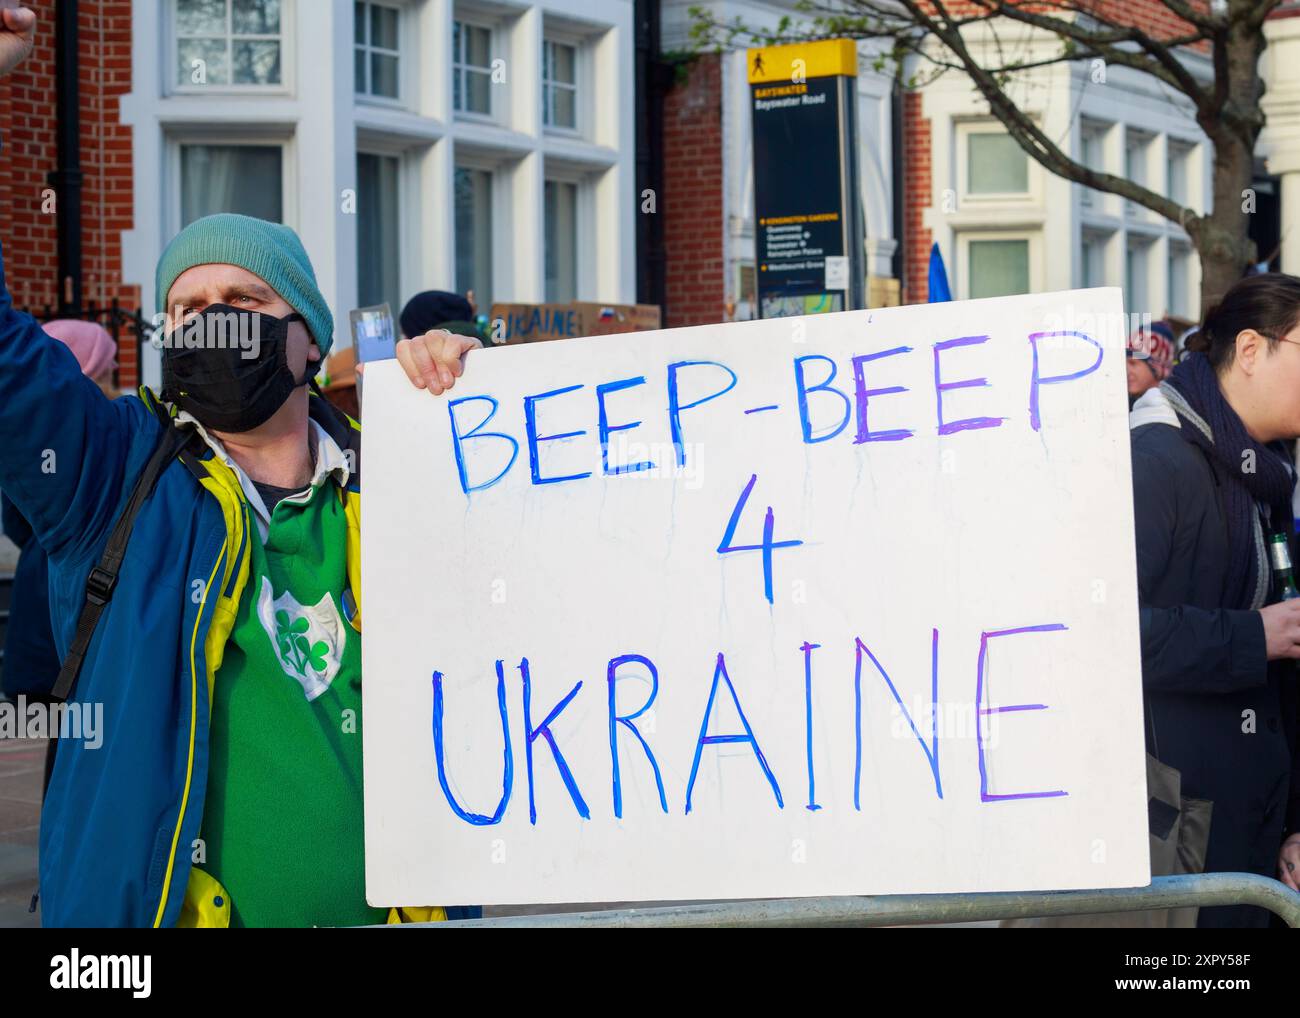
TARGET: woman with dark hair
(1212,486)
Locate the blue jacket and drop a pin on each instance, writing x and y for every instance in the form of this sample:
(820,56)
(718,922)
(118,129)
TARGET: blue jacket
(120,821)
(31,664)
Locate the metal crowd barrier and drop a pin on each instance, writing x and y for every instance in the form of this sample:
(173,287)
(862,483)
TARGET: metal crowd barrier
(1201,889)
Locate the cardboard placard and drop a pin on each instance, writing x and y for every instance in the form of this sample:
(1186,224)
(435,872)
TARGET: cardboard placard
(533,323)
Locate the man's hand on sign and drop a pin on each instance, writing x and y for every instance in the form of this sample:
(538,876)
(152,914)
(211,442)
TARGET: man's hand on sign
(17,36)
(434,361)
(1282,629)
(1288,862)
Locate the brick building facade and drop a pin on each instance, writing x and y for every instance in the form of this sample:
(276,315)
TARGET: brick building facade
(917,189)
(693,209)
(404,178)
(29,203)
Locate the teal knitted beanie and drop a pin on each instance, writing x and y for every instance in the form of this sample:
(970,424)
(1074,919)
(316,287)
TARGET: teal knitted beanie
(268,250)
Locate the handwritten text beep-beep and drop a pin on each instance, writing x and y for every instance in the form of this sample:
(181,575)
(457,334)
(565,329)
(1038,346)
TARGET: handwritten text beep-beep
(827,406)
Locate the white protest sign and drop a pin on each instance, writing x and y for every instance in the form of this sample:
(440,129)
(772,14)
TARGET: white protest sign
(835,605)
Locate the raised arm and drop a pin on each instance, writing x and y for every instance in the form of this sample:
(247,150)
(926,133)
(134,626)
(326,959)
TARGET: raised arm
(63,445)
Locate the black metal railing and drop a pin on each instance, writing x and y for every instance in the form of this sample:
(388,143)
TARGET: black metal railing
(119,322)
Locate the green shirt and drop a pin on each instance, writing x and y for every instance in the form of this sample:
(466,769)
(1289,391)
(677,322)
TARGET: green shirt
(282,826)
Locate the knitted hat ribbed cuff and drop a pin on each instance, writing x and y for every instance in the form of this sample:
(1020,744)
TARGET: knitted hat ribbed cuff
(270,251)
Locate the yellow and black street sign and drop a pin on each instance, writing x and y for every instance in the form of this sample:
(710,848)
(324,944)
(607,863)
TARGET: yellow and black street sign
(800,61)
(808,227)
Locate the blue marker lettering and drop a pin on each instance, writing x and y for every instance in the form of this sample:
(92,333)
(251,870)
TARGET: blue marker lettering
(544,730)
(508,769)
(1037,380)
(606,429)
(807,649)
(863,395)
(940,387)
(616,719)
(675,406)
(981,711)
(458,439)
(802,388)
(708,740)
(932,750)
(534,440)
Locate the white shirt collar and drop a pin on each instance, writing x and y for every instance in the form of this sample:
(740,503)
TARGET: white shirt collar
(330,462)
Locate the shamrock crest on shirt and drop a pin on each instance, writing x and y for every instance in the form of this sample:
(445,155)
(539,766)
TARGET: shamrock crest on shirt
(293,647)
(308,639)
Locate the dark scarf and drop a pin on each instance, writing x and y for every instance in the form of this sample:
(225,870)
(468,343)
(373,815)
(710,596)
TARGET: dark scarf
(1210,423)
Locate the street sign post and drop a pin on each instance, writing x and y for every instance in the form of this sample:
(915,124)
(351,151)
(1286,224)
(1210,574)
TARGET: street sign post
(808,225)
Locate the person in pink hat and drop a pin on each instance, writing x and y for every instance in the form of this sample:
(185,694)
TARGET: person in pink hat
(93,347)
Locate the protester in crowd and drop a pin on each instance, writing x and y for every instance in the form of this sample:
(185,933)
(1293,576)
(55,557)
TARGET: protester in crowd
(438,309)
(1135,356)
(31,663)
(1150,358)
(432,309)
(340,386)
(1211,486)
(226,661)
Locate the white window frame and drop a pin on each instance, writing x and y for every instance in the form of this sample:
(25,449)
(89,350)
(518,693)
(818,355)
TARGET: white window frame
(964,130)
(1176,250)
(1179,151)
(409,210)
(405,29)
(499,194)
(1095,131)
(575,44)
(1149,246)
(228,136)
(966,237)
(1138,138)
(1102,241)
(584,210)
(474,20)
(288,23)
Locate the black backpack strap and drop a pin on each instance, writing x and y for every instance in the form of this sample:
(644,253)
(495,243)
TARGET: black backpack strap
(103,578)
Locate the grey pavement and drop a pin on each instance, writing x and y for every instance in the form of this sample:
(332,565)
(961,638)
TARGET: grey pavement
(22,766)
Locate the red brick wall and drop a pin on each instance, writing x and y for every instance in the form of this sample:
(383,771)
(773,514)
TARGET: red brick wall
(29,153)
(1152,16)
(918,195)
(691,200)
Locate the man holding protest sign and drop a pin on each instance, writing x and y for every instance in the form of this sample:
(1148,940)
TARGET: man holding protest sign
(204,573)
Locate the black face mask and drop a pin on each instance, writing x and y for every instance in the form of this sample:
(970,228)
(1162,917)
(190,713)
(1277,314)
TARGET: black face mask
(208,367)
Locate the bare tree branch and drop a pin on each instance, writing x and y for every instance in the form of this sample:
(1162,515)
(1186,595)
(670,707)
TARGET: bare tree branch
(1225,98)
(1026,132)
(1163,63)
